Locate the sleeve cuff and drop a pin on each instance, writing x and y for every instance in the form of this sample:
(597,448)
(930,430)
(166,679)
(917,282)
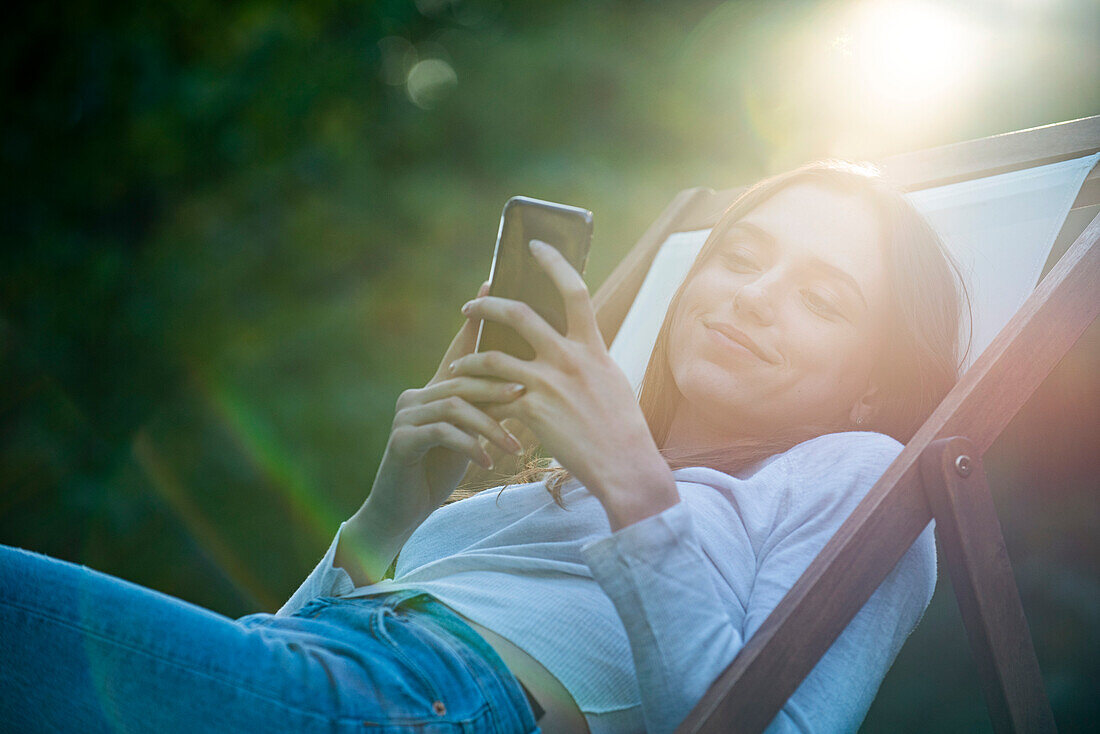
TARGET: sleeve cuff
(325,580)
(650,542)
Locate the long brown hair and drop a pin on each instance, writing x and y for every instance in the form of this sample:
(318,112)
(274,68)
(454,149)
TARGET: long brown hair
(918,363)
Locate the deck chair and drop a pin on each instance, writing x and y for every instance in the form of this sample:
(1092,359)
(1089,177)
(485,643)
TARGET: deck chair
(1046,180)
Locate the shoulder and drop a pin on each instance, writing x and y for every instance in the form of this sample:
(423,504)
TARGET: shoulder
(850,451)
(848,458)
(837,469)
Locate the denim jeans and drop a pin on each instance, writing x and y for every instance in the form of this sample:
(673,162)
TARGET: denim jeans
(84,651)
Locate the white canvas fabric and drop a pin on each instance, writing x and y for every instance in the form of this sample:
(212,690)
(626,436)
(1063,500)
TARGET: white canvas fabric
(1000,229)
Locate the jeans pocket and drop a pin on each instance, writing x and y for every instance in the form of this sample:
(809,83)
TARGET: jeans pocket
(381,621)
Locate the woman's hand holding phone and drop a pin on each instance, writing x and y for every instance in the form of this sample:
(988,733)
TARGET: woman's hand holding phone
(433,438)
(578,402)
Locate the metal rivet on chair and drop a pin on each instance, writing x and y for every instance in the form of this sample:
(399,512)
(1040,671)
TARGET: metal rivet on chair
(962,465)
(439,708)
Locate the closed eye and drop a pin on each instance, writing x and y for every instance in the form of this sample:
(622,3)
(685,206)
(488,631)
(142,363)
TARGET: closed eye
(741,260)
(822,305)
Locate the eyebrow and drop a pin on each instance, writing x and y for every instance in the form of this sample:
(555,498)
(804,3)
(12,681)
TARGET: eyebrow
(817,263)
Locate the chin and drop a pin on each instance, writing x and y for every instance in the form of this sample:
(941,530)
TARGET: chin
(722,382)
(720,403)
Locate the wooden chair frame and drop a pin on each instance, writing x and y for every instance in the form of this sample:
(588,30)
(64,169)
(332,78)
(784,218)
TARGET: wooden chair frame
(938,474)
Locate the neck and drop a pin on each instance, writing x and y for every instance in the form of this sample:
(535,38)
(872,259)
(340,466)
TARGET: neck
(690,431)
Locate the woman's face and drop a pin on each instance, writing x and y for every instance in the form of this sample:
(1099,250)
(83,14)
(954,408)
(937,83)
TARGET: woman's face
(780,326)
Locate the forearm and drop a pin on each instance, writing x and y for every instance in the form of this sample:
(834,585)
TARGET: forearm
(399,500)
(368,544)
(358,556)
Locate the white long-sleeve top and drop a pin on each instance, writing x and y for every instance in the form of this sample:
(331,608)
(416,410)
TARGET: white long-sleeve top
(638,623)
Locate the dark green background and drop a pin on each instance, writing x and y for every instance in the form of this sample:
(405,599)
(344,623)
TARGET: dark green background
(231,239)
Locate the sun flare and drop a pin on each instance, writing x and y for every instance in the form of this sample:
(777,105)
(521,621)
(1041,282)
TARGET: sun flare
(909,52)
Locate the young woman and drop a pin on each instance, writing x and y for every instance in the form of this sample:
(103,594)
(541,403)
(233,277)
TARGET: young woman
(815,331)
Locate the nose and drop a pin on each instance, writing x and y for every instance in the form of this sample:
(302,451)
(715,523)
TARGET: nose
(752,301)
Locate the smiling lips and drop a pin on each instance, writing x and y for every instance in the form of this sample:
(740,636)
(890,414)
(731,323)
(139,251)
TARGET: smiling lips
(738,337)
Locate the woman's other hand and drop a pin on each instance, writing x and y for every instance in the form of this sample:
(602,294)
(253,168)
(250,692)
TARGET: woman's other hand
(435,435)
(578,402)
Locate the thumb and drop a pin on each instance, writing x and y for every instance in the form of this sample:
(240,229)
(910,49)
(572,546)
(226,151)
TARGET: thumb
(463,343)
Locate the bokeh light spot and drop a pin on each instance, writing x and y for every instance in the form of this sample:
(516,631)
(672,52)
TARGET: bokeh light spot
(429,81)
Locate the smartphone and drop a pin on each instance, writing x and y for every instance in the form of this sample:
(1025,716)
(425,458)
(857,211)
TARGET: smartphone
(517,275)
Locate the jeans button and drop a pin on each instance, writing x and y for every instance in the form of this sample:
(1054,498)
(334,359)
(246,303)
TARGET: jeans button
(439,708)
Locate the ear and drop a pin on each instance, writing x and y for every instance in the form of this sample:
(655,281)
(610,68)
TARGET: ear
(865,408)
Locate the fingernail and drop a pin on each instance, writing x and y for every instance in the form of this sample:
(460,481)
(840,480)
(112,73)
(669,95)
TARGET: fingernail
(516,388)
(466,307)
(518,450)
(488,463)
(451,367)
(536,245)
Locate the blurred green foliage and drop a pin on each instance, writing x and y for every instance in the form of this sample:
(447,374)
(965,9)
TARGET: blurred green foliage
(234,232)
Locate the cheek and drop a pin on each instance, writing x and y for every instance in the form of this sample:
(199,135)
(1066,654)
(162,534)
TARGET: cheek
(835,355)
(681,347)
(688,309)
(707,291)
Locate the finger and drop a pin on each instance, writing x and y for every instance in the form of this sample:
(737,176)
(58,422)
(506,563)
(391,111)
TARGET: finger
(463,415)
(514,426)
(499,412)
(514,417)
(419,439)
(499,365)
(518,315)
(579,313)
(471,389)
(511,423)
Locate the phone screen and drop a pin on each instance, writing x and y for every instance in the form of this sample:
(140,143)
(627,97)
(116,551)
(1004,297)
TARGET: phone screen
(517,275)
